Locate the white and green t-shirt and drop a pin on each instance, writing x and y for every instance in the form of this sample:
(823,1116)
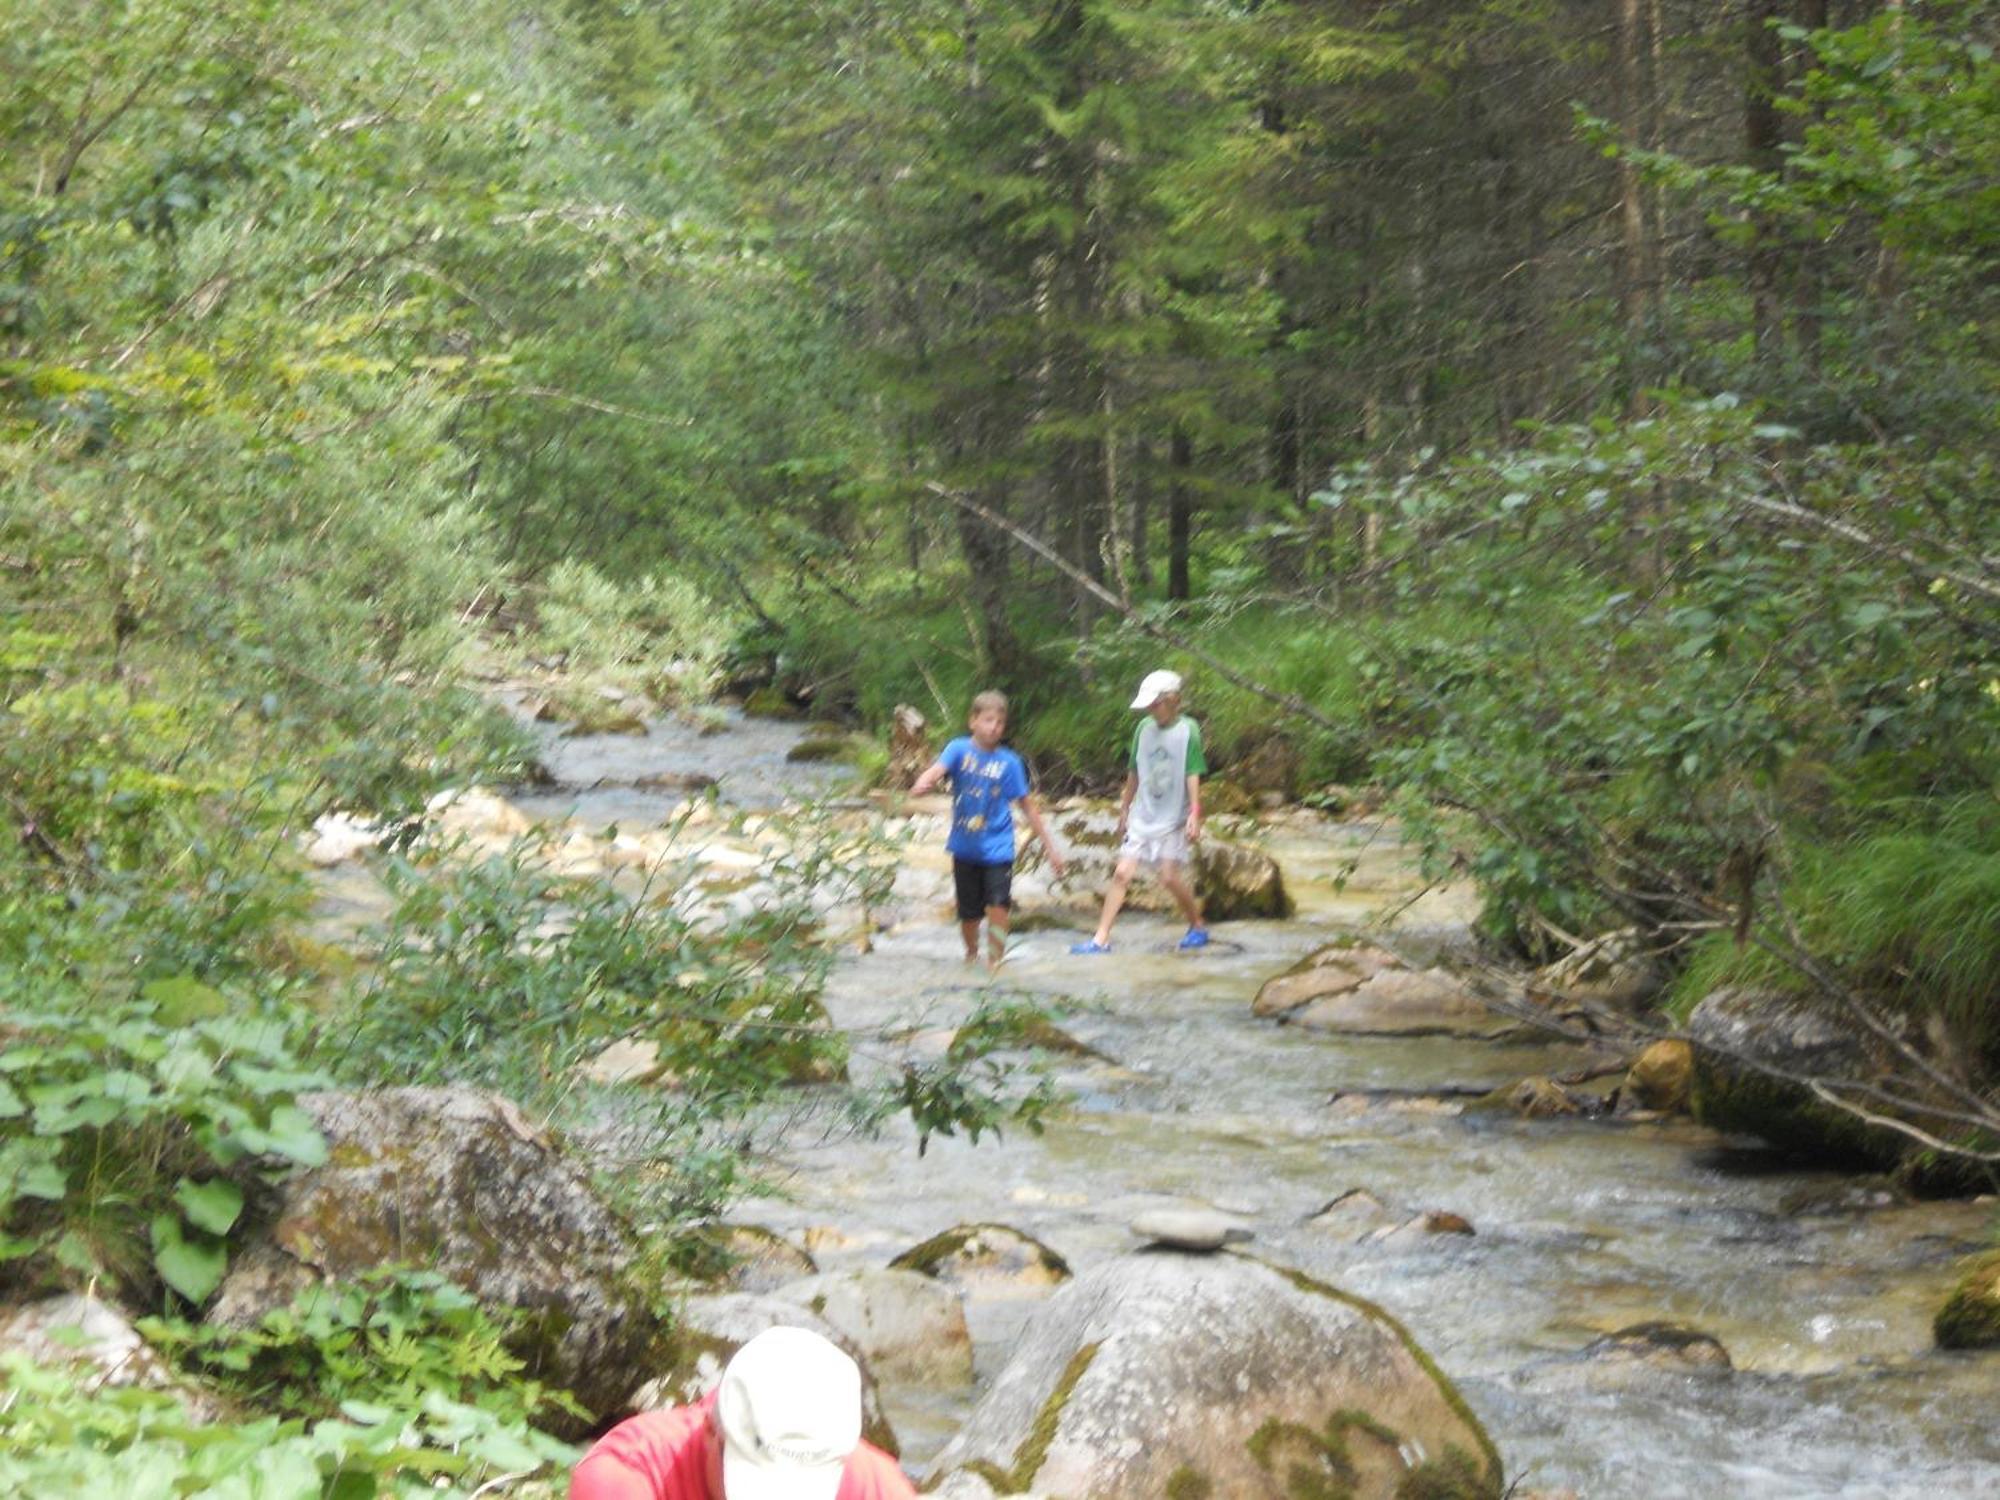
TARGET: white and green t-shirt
(1163,759)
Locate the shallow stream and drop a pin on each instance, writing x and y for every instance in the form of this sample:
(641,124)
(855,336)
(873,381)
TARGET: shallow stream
(1820,1286)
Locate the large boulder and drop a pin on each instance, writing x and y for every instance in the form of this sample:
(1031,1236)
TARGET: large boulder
(459,1182)
(1332,970)
(1235,882)
(1162,1374)
(909,1326)
(708,1330)
(1736,1028)
(1405,1002)
(1970,1316)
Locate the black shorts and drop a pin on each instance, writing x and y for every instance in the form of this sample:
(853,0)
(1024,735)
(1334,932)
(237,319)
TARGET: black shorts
(981,886)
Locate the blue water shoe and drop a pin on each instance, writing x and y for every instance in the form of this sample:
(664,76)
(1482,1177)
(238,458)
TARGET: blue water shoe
(1091,945)
(1197,937)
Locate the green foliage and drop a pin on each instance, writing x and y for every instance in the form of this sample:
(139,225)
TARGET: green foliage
(386,1339)
(974,1089)
(1905,913)
(58,1439)
(128,1136)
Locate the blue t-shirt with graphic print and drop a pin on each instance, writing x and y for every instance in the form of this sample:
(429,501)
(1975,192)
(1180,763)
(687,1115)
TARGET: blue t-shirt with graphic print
(985,784)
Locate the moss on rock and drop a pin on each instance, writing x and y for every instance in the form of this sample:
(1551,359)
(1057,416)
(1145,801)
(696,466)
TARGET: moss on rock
(1970,1316)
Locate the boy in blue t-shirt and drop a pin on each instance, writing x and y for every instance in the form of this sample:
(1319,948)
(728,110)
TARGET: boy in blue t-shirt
(987,779)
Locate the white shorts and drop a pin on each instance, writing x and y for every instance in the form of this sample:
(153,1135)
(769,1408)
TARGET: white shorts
(1156,848)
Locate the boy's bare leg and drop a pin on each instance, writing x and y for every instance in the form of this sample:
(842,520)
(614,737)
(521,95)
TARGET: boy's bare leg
(996,936)
(1178,887)
(1114,898)
(970,932)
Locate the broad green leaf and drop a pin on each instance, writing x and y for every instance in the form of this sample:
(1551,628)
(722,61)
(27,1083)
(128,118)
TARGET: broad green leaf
(192,1265)
(212,1205)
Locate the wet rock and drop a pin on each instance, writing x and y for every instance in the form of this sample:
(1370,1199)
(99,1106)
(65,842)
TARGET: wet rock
(771,702)
(605,718)
(1405,1002)
(1797,1036)
(94,1339)
(1613,971)
(1236,882)
(1536,1099)
(462,1183)
(676,781)
(1233,880)
(1662,1076)
(756,1259)
(708,1330)
(1197,1229)
(1668,1347)
(1354,1215)
(1443,1221)
(1218,1376)
(1970,1316)
(1842,1199)
(1333,970)
(819,748)
(909,1326)
(985,1259)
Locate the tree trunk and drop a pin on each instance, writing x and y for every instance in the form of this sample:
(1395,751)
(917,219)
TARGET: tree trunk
(1762,136)
(1178,515)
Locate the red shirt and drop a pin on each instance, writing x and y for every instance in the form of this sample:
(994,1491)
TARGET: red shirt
(663,1455)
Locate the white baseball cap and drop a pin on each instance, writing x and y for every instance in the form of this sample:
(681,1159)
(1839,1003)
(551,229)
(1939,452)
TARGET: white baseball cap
(789,1409)
(1156,685)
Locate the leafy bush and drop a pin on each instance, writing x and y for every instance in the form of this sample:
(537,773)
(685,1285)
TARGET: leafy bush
(128,1136)
(58,1439)
(387,1339)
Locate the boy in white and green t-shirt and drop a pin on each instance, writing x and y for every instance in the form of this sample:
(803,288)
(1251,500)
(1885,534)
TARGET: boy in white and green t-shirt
(1160,813)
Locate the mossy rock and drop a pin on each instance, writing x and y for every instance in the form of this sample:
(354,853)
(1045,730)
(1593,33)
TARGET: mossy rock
(818,749)
(1803,1038)
(1181,1375)
(1970,1316)
(771,703)
(463,1183)
(1225,799)
(984,1256)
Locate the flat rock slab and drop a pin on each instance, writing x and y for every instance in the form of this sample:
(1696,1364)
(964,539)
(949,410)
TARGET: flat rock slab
(1406,1002)
(1332,970)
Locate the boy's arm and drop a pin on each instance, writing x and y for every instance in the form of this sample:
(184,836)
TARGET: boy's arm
(935,772)
(1194,808)
(1125,802)
(1031,808)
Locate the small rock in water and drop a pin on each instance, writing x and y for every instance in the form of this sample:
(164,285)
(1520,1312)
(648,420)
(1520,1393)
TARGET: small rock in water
(1665,1346)
(1442,1221)
(1193,1229)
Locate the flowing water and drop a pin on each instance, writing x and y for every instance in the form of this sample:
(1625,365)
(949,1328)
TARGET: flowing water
(1821,1287)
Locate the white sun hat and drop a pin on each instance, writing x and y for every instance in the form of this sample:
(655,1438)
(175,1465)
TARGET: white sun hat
(1157,685)
(789,1408)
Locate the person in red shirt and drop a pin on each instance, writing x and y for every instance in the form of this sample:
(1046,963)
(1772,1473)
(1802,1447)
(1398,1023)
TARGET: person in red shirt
(784,1424)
